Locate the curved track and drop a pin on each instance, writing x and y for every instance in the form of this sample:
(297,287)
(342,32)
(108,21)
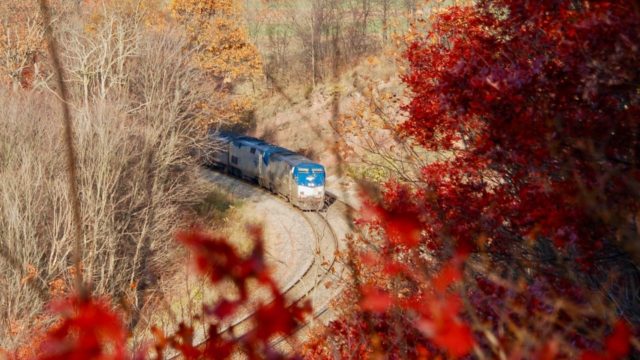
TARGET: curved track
(319,282)
(327,284)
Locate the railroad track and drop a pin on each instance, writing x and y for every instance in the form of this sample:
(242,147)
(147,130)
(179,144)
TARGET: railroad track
(320,282)
(330,277)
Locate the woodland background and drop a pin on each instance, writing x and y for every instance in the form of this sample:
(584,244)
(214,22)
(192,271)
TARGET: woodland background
(495,144)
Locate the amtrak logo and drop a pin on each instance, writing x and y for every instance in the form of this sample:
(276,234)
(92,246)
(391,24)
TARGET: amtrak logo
(310,179)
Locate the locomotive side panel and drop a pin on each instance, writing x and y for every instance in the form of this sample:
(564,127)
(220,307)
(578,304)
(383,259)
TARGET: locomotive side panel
(221,157)
(243,157)
(216,154)
(278,176)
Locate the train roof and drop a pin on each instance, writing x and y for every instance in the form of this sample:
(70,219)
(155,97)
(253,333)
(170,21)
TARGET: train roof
(269,151)
(251,141)
(295,159)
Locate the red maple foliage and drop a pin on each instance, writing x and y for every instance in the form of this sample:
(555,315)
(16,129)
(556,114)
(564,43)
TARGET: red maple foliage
(89,328)
(218,261)
(617,344)
(510,244)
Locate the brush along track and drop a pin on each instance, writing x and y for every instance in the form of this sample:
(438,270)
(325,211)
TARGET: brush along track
(319,283)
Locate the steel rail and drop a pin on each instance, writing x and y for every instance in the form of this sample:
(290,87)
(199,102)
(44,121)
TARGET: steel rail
(244,321)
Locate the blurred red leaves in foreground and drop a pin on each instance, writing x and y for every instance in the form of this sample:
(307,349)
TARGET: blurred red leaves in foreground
(216,259)
(399,218)
(616,346)
(219,261)
(91,329)
(88,329)
(375,300)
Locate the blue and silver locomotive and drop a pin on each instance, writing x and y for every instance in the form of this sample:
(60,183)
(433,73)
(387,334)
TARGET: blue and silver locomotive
(297,178)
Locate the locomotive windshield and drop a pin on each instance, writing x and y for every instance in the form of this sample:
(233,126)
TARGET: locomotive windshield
(311,175)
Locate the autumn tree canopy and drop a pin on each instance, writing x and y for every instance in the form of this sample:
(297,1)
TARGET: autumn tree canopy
(531,219)
(221,42)
(221,47)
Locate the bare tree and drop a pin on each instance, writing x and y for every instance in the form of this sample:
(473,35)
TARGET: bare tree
(278,46)
(385,8)
(96,60)
(135,95)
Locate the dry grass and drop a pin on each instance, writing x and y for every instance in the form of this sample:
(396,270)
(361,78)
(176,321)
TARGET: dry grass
(134,97)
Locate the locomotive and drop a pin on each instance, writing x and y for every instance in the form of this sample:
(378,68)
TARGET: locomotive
(300,180)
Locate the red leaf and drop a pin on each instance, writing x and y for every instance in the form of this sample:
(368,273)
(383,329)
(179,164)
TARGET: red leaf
(449,274)
(224,309)
(403,230)
(272,319)
(591,355)
(89,330)
(160,338)
(183,342)
(393,268)
(548,352)
(619,342)
(400,222)
(454,337)
(375,300)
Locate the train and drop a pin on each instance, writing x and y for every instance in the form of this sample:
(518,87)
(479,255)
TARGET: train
(282,171)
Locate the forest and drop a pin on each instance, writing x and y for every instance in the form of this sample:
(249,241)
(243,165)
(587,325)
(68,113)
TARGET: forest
(479,178)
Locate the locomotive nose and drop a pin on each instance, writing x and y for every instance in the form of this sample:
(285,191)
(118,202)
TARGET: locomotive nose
(310,180)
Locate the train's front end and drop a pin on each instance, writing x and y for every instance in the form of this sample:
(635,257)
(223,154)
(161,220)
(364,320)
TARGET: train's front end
(310,181)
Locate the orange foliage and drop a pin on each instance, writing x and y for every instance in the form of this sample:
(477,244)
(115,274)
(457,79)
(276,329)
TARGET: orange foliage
(32,272)
(222,49)
(215,30)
